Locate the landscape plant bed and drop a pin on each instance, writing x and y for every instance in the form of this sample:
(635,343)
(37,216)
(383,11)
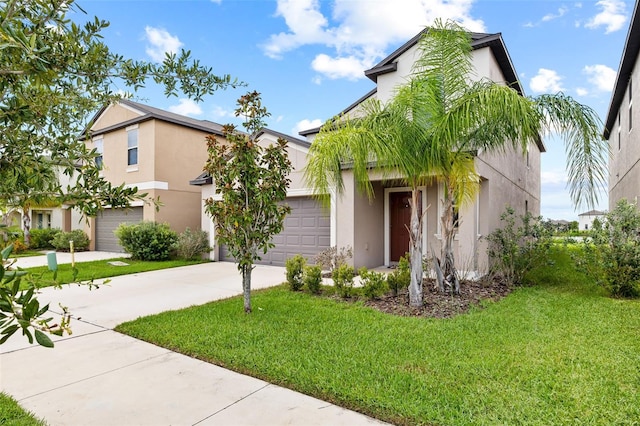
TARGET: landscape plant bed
(559,352)
(443,305)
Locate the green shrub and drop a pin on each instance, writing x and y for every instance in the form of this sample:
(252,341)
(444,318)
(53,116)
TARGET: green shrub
(611,253)
(516,250)
(374,284)
(295,267)
(192,244)
(400,278)
(147,240)
(312,278)
(343,280)
(80,240)
(330,259)
(43,238)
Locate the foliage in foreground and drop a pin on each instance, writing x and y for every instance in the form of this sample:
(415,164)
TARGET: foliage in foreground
(611,253)
(555,353)
(55,73)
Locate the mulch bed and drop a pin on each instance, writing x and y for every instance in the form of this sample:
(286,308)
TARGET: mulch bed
(439,305)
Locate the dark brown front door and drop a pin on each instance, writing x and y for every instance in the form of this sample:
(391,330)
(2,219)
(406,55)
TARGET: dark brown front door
(399,223)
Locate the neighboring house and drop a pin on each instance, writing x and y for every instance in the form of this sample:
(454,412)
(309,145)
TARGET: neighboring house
(158,152)
(307,228)
(376,230)
(585,220)
(623,122)
(63,217)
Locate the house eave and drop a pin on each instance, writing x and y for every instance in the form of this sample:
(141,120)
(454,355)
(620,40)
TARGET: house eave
(628,61)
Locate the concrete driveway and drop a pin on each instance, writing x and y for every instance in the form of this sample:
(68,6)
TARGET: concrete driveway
(100,377)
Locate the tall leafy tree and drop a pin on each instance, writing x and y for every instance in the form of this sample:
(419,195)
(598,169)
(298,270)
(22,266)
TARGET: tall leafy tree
(431,129)
(251,181)
(54,75)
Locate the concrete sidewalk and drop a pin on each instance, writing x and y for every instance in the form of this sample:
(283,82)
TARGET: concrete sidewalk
(100,377)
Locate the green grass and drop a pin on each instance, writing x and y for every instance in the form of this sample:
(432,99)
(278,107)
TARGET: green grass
(12,414)
(99,269)
(557,353)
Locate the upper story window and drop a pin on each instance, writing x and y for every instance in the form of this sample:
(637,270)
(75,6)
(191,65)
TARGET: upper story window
(132,147)
(619,128)
(630,104)
(100,151)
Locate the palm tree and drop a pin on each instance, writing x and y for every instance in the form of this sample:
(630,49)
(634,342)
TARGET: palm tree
(432,129)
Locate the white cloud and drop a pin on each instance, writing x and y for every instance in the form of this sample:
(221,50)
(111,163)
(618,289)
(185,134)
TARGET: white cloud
(546,81)
(553,177)
(551,16)
(216,1)
(219,113)
(358,36)
(160,43)
(306,125)
(347,67)
(186,107)
(581,91)
(601,76)
(613,16)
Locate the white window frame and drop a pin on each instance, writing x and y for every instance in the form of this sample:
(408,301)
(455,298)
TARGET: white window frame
(130,130)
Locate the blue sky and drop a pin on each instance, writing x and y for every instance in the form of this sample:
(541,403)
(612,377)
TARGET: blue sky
(307,57)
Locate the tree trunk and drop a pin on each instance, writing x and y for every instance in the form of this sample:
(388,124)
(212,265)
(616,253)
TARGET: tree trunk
(448,278)
(26,226)
(415,238)
(246,287)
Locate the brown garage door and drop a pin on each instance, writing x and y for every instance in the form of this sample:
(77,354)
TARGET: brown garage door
(106,223)
(306,231)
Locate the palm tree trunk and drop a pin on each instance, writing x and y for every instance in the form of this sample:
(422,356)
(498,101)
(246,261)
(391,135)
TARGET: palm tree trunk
(415,236)
(447,275)
(246,287)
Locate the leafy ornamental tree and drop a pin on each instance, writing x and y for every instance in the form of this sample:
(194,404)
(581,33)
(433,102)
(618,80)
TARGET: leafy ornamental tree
(54,73)
(433,126)
(251,182)
(611,253)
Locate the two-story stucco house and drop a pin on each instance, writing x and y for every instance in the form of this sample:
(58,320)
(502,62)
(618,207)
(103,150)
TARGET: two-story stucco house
(376,230)
(622,125)
(158,152)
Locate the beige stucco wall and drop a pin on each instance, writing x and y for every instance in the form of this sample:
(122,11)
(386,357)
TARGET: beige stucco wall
(624,164)
(169,156)
(115,114)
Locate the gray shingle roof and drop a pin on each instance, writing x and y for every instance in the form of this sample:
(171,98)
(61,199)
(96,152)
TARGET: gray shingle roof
(152,113)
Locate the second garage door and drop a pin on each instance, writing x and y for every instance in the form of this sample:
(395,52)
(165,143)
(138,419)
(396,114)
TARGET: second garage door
(107,222)
(307,231)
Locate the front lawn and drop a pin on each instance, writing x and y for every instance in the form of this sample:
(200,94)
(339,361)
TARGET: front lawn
(98,269)
(556,353)
(12,414)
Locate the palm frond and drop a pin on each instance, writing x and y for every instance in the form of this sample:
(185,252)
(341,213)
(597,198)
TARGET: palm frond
(587,152)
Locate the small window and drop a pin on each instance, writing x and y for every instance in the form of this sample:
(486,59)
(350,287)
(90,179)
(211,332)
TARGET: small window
(100,152)
(132,147)
(630,104)
(43,220)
